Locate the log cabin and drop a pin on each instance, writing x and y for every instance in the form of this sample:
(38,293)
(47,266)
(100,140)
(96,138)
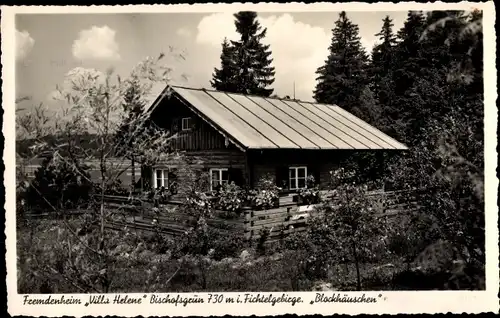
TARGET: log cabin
(242,138)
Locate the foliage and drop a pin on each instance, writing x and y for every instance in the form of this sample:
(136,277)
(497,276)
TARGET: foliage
(227,245)
(113,188)
(246,63)
(342,78)
(158,195)
(57,185)
(94,106)
(447,156)
(310,194)
(266,194)
(224,79)
(381,66)
(199,204)
(347,227)
(230,199)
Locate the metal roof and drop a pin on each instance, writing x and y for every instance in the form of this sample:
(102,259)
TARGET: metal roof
(272,123)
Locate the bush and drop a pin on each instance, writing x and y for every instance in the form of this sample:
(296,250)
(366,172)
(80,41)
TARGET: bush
(267,194)
(230,200)
(310,194)
(113,188)
(227,246)
(158,195)
(57,185)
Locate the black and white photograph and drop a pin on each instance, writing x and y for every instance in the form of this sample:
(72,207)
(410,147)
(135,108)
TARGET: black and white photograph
(247,151)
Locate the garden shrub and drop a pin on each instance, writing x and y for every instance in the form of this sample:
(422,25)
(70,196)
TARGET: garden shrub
(227,245)
(114,187)
(230,200)
(158,196)
(310,194)
(261,241)
(267,194)
(57,185)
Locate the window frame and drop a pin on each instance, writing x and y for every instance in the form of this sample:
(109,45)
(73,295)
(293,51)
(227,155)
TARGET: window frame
(219,170)
(294,186)
(164,178)
(189,123)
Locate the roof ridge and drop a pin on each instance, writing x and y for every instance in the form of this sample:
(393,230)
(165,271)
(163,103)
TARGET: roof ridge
(242,94)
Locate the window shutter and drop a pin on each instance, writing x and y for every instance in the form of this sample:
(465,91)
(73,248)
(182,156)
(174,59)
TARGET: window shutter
(236,176)
(172,174)
(282,177)
(315,171)
(172,180)
(147,177)
(176,125)
(204,178)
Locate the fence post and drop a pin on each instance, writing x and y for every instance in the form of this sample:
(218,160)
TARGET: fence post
(246,223)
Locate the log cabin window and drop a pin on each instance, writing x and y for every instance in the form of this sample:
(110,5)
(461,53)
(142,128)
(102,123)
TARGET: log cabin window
(186,123)
(297,177)
(161,178)
(218,176)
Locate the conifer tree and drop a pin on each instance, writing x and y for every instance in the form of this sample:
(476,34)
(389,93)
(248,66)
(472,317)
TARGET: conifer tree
(343,78)
(409,59)
(223,79)
(382,61)
(408,66)
(246,64)
(253,58)
(383,52)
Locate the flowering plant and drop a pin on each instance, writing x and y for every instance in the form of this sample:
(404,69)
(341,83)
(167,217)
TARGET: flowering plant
(267,194)
(310,194)
(230,199)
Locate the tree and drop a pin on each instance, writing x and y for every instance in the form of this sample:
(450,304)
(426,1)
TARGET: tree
(407,68)
(95,104)
(343,77)
(224,79)
(347,229)
(382,63)
(133,106)
(252,58)
(446,132)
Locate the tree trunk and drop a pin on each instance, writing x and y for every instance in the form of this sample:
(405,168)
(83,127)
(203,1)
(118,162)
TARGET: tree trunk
(132,166)
(356,262)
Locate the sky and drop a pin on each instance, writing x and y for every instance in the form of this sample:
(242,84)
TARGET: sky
(51,46)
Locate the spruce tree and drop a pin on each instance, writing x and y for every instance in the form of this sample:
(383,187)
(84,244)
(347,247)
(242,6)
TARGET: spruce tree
(383,58)
(409,52)
(427,49)
(405,80)
(223,79)
(253,59)
(343,78)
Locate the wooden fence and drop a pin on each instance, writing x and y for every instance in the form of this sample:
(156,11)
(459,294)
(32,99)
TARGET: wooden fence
(277,223)
(170,218)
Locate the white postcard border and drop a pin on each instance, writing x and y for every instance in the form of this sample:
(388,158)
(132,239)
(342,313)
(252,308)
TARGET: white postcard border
(389,302)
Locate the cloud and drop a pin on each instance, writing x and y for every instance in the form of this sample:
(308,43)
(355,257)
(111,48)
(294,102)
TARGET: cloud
(183,32)
(83,77)
(298,48)
(96,43)
(24,44)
